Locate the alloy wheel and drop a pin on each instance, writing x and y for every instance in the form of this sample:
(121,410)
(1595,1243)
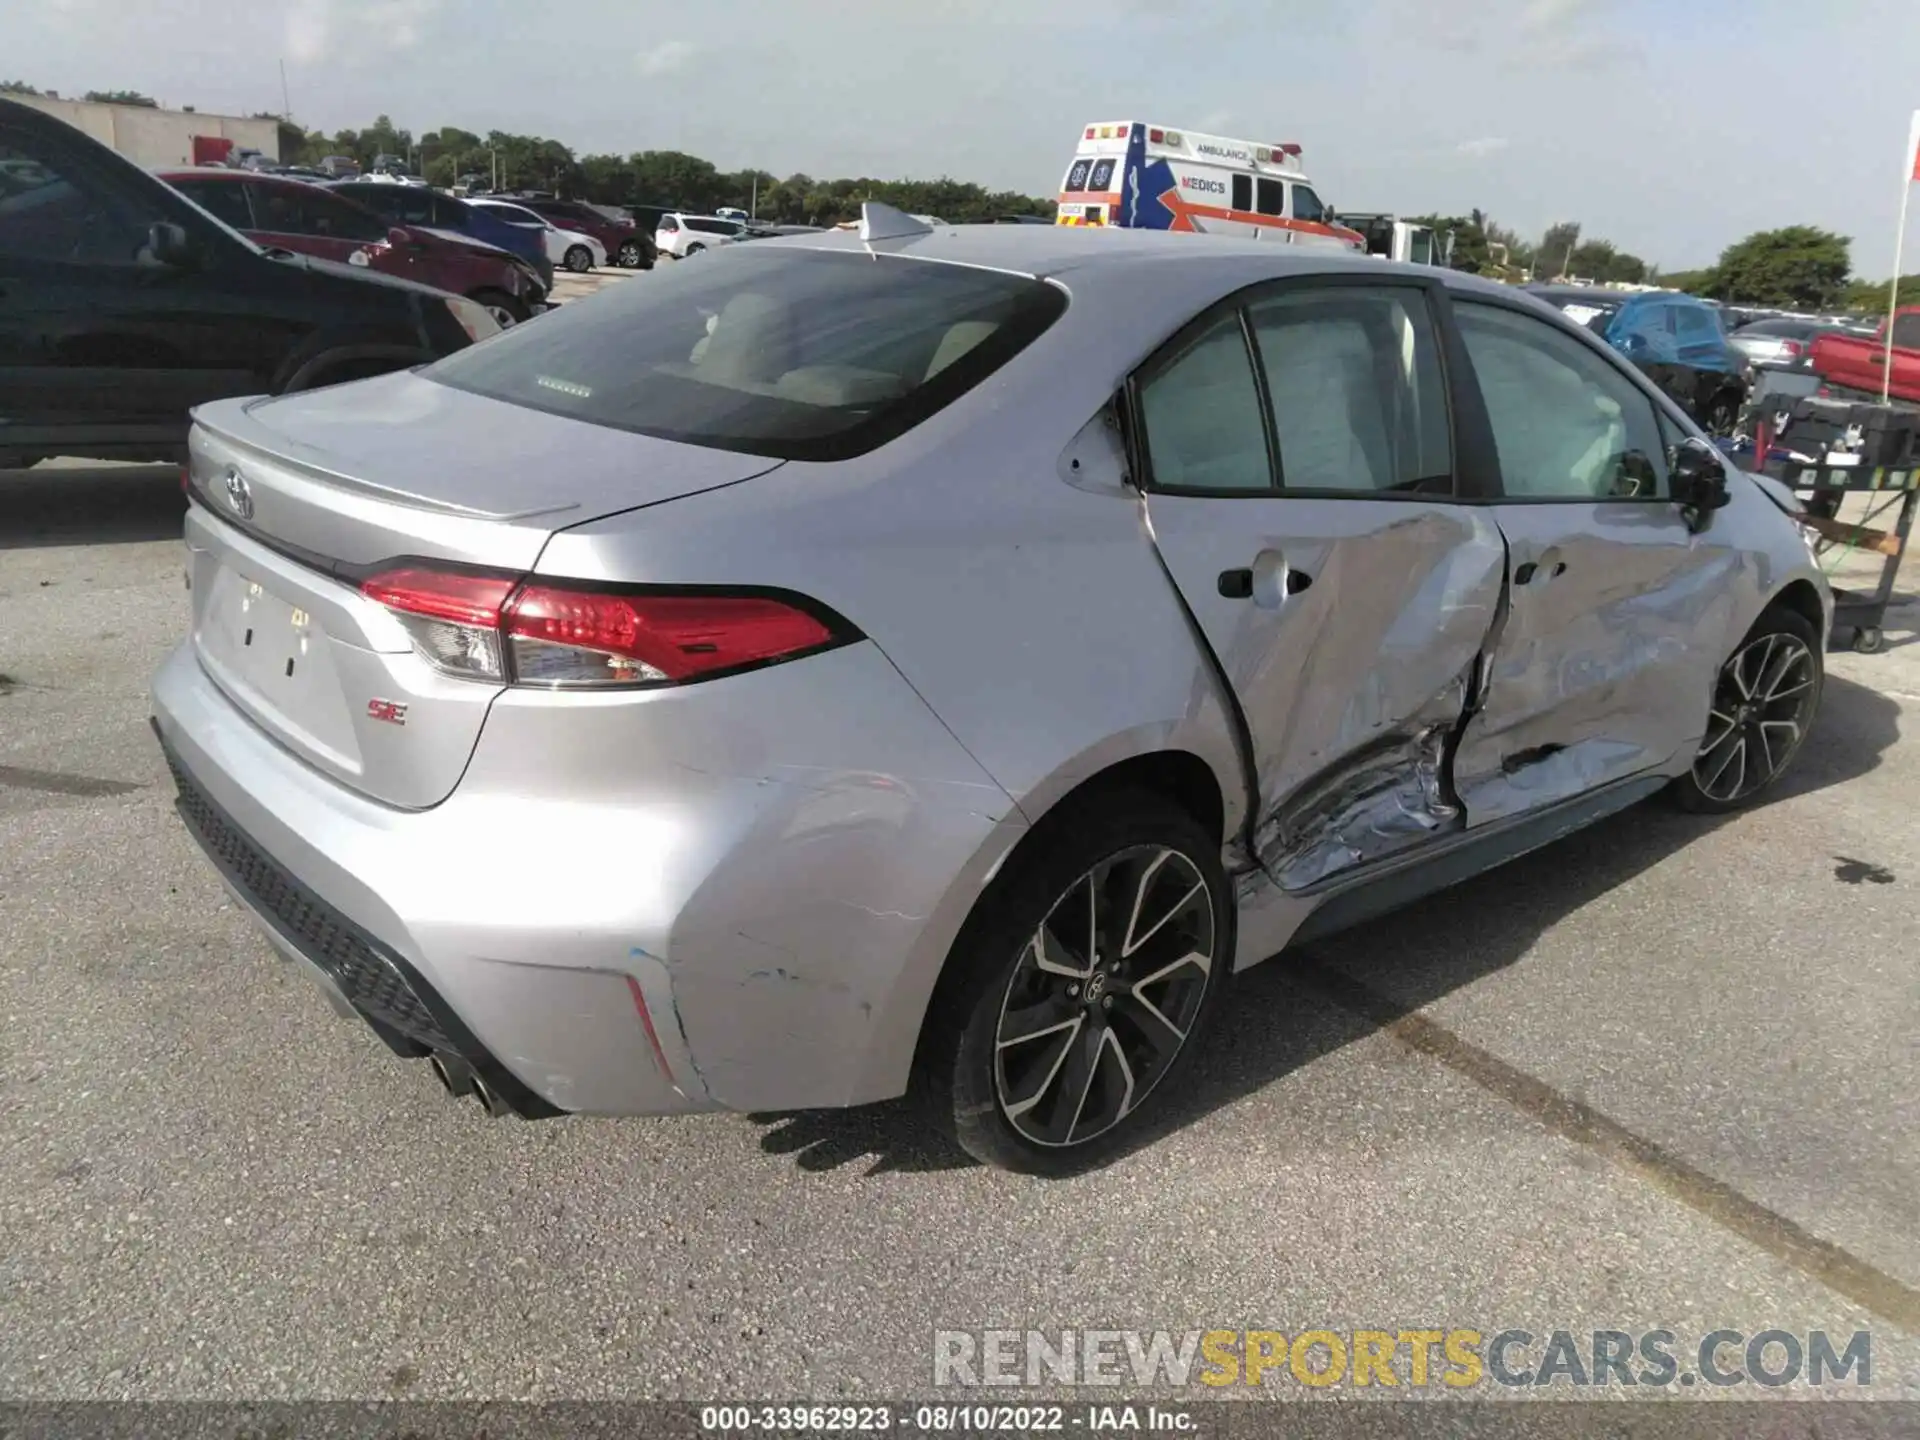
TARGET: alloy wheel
(1759,716)
(1104,995)
(630,255)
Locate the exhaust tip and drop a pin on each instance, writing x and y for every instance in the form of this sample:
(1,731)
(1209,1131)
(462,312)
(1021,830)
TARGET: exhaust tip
(454,1074)
(489,1102)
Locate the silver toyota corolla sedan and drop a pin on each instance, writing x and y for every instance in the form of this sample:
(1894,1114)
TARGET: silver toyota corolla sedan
(937,660)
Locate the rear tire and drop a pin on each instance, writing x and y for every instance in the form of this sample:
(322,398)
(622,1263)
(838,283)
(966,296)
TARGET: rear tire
(507,310)
(1766,697)
(631,257)
(578,259)
(693,250)
(1080,988)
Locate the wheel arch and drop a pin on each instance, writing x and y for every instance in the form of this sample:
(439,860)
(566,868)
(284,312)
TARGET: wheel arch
(1178,775)
(1802,597)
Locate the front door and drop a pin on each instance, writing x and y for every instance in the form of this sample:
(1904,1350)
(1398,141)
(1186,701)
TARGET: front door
(1297,456)
(101,344)
(1604,662)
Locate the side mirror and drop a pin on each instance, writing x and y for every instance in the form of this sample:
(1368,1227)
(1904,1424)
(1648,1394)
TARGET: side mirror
(168,244)
(1699,479)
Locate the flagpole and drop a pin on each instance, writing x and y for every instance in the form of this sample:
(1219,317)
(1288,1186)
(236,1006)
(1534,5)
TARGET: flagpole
(1909,172)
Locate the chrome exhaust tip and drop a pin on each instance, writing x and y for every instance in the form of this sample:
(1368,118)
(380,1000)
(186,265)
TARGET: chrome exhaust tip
(453,1073)
(489,1102)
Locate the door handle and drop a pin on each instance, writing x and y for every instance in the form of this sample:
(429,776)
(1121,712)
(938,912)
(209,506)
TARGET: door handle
(1241,584)
(1545,570)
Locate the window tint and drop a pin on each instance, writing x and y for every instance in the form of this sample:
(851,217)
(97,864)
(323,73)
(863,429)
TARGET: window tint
(223,200)
(1076,180)
(1566,423)
(49,211)
(669,224)
(1353,376)
(714,227)
(1201,411)
(1271,197)
(1102,176)
(307,210)
(1695,323)
(805,355)
(1243,192)
(1307,206)
(1906,331)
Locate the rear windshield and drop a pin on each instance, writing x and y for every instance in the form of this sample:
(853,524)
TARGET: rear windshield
(797,354)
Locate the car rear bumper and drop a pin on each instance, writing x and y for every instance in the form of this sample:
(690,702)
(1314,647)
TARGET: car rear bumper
(716,924)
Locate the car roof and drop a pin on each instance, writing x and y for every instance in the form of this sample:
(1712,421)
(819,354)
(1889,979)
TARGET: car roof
(1043,250)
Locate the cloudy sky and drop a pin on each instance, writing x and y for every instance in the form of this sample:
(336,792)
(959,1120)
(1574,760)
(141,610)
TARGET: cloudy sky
(1671,128)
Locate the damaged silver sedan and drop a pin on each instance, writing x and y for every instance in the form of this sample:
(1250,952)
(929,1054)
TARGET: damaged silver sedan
(937,660)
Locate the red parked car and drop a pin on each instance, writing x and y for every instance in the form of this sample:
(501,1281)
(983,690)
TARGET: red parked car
(1858,363)
(292,215)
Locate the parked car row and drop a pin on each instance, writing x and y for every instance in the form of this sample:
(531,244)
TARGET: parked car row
(127,304)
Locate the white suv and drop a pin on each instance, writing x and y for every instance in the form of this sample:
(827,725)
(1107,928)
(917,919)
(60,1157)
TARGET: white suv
(682,235)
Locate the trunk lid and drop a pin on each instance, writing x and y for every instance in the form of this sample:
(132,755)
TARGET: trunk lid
(300,498)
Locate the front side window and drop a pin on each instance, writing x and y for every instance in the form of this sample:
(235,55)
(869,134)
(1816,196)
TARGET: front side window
(1566,423)
(1200,408)
(1906,331)
(1358,396)
(1307,206)
(51,210)
(802,355)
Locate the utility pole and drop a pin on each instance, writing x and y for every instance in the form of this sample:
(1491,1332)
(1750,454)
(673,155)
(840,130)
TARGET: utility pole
(286,105)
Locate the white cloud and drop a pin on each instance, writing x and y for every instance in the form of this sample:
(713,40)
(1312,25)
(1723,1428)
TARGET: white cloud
(1484,146)
(665,58)
(1216,122)
(312,25)
(309,24)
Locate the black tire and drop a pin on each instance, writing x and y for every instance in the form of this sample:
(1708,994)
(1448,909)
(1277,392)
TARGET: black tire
(1722,414)
(578,259)
(1772,681)
(1125,851)
(693,250)
(631,256)
(505,309)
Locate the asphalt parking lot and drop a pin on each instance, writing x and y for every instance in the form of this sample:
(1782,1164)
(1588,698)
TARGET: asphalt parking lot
(1661,1074)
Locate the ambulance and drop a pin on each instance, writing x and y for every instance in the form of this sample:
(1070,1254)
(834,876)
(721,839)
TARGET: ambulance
(1153,177)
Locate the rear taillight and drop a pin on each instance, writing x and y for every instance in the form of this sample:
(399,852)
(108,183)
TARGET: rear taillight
(1793,347)
(497,628)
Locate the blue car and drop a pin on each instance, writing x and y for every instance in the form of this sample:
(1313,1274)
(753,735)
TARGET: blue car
(1677,340)
(417,205)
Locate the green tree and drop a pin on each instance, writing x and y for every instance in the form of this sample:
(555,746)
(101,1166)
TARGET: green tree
(1870,297)
(16,87)
(1798,266)
(1555,255)
(121,97)
(1705,283)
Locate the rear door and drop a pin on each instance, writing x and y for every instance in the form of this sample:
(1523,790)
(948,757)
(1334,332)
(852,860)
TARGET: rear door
(307,219)
(1604,662)
(1296,449)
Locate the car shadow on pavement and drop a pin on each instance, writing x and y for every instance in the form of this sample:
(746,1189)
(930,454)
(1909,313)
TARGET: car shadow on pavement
(58,504)
(1300,1006)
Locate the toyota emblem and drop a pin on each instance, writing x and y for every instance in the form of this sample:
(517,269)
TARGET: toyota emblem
(239,495)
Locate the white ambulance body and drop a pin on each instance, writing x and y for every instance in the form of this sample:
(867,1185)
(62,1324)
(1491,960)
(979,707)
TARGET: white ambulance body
(1154,177)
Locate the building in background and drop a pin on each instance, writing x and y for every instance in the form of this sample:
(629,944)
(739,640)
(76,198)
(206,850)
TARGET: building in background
(151,137)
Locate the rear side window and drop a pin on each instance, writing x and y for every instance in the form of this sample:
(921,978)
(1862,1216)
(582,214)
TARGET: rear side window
(1271,197)
(222,199)
(795,354)
(309,210)
(1906,330)
(1696,323)
(1354,380)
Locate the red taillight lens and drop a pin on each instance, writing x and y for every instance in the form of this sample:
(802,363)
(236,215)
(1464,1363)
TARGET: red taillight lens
(442,595)
(453,618)
(495,627)
(573,637)
(1793,347)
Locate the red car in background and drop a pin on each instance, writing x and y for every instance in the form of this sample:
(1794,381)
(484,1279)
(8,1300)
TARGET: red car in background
(292,215)
(626,245)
